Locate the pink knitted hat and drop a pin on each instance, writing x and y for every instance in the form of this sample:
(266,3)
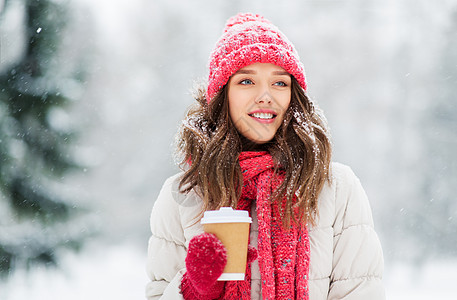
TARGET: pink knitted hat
(248,39)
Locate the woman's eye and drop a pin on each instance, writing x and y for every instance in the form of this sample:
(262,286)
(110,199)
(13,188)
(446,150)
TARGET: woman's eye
(246,81)
(280,83)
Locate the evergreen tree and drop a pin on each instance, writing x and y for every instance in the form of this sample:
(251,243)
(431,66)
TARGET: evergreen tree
(36,218)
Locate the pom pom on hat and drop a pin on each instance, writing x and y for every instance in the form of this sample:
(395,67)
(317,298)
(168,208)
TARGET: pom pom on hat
(243,18)
(247,39)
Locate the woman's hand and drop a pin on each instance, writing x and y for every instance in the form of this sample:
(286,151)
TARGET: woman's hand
(205,262)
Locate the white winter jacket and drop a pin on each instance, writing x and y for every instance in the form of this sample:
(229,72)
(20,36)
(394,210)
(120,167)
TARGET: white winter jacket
(346,257)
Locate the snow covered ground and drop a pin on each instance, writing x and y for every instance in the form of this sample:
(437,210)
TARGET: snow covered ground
(435,280)
(114,272)
(117,272)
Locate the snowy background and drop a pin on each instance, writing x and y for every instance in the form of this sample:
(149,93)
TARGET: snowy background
(384,72)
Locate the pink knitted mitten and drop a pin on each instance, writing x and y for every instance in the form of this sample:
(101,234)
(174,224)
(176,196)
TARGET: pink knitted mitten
(205,262)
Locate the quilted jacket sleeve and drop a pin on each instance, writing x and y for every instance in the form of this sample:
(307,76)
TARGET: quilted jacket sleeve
(357,254)
(166,249)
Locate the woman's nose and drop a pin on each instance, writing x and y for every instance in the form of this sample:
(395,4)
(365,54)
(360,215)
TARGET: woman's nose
(264,98)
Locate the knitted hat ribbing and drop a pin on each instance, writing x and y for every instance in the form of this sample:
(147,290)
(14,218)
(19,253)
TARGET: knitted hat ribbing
(248,39)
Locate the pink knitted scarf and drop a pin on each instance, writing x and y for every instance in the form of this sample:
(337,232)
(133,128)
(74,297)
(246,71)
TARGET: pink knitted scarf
(283,253)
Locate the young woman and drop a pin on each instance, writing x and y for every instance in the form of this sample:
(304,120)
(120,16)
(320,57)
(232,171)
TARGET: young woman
(256,142)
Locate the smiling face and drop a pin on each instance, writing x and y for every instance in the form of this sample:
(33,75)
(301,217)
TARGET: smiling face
(258,96)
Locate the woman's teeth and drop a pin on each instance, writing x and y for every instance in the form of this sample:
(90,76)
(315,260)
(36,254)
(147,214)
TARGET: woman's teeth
(263,115)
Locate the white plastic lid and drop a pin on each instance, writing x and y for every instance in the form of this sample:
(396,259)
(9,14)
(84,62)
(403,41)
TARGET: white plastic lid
(226,215)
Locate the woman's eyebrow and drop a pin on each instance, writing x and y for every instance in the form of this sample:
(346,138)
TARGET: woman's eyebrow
(245,72)
(280,73)
(254,72)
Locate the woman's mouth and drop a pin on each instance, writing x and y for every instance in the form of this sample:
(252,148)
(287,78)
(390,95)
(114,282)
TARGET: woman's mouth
(263,117)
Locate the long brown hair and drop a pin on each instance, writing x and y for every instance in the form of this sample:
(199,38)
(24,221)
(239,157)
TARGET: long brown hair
(209,146)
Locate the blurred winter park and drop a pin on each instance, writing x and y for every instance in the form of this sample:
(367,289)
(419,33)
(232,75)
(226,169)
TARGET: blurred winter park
(92,93)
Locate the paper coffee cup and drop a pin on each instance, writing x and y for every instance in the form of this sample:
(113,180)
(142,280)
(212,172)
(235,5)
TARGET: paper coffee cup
(232,228)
